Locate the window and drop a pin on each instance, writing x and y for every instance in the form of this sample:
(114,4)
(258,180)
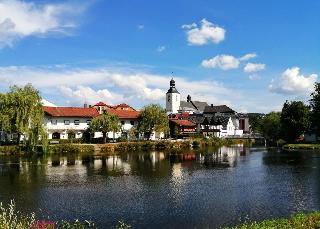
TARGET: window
(132,123)
(88,122)
(122,122)
(168,98)
(76,122)
(176,98)
(66,122)
(54,122)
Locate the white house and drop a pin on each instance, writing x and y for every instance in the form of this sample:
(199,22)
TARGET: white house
(230,127)
(58,121)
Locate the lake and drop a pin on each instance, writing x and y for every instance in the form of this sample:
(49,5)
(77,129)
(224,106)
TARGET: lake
(206,188)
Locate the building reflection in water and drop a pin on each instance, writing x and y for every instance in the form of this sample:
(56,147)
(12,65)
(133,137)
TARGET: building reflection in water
(224,156)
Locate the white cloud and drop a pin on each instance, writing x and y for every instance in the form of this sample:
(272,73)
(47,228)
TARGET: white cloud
(248,57)
(253,67)
(86,94)
(109,84)
(161,48)
(227,62)
(19,19)
(47,103)
(224,62)
(292,82)
(207,32)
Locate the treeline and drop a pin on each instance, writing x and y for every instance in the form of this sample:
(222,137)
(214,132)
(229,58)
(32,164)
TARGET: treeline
(21,114)
(295,119)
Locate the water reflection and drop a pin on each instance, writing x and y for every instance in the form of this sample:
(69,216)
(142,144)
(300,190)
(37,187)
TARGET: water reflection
(192,189)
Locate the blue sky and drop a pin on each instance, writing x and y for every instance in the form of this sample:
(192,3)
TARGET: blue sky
(251,55)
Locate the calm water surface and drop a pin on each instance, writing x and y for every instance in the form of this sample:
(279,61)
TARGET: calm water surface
(197,189)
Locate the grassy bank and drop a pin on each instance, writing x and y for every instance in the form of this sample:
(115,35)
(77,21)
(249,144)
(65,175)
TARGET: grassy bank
(10,150)
(11,218)
(128,146)
(301,146)
(307,221)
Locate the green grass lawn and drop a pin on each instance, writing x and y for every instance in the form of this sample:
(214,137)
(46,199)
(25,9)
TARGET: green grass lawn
(301,146)
(298,221)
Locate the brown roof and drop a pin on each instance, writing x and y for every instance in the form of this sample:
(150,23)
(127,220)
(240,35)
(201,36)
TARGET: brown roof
(182,122)
(71,112)
(101,104)
(123,105)
(125,114)
(218,109)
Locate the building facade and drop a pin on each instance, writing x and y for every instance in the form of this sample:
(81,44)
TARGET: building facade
(172,98)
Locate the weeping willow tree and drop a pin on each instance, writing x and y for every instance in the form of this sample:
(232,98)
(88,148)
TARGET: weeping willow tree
(21,113)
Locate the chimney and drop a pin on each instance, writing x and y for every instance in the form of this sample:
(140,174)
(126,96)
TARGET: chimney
(85,105)
(188,98)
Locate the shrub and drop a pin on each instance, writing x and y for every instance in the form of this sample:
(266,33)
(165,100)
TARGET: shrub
(10,218)
(69,148)
(10,150)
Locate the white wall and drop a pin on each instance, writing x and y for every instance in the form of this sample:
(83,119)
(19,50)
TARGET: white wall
(172,102)
(57,124)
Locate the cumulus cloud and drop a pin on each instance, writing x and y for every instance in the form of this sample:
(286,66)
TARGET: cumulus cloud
(47,103)
(224,62)
(204,33)
(227,62)
(86,94)
(248,57)
(254,67)
(292,82)
(111,85)
(19,19)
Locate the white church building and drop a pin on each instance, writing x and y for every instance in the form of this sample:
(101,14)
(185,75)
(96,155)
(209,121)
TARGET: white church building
(197,111)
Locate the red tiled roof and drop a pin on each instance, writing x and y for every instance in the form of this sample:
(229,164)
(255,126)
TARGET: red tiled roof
(101,104)
(182,122)
(123,105)
(125,114)
(71,111)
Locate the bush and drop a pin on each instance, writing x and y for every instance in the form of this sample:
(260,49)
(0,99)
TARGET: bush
(10,218)
(310,221)
(10,150)
(70,148)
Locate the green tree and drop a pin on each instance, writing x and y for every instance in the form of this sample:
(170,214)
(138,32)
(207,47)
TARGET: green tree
(315,108)
(153,119)
(105,123)
(21,113)
(295,120)
(4,114)
(255,121)
(270,127)
(71,135)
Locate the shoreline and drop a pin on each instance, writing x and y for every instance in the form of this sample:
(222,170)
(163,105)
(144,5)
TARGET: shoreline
(124,146)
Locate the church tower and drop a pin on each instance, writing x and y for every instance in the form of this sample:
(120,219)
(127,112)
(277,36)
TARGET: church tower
(172,98)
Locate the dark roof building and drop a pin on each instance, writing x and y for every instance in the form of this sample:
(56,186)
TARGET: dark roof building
(193,105)
(172,88)
(223,109)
